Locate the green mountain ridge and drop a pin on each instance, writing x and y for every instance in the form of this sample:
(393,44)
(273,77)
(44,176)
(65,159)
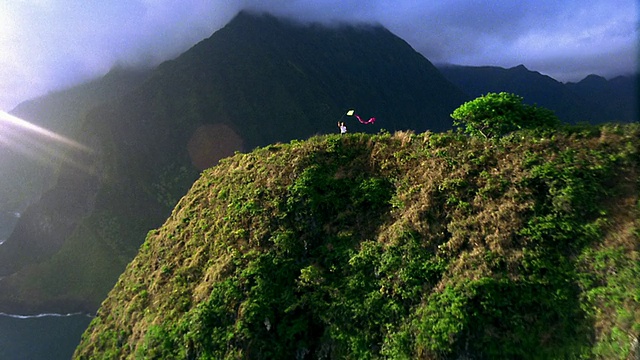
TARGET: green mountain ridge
(403,246)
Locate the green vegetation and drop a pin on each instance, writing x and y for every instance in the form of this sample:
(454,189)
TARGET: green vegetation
(495,115)
(403,246)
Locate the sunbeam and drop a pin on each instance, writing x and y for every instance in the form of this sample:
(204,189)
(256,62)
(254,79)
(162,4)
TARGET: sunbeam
(25,125)
(38,143)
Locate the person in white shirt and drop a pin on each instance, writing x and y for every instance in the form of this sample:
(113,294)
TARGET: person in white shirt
(343,127)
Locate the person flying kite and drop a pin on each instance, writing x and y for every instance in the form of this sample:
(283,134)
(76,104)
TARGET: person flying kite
(343,127)
(353,113)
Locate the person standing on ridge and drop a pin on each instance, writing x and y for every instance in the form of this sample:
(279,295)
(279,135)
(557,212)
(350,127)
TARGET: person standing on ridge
(343,127)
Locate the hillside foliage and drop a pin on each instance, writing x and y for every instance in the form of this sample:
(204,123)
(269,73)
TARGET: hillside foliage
(403,246)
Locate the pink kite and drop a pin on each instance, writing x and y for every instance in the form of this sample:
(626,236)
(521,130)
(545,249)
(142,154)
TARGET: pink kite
(370,121)
(352,113)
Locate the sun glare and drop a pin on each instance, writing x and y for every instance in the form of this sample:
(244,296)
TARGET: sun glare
(28,139)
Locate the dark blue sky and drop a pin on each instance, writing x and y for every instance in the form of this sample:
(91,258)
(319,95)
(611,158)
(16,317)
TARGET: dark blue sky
(46,45)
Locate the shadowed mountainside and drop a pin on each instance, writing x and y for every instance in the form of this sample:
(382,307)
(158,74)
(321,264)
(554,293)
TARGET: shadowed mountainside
(28,163)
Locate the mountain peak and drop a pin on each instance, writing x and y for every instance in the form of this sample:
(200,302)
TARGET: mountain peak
(593,79)
(249,17)
(346,65)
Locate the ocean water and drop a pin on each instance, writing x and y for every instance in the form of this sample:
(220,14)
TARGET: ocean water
(39,337)
(43,337)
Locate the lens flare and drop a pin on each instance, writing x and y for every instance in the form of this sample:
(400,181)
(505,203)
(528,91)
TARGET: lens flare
(33,141)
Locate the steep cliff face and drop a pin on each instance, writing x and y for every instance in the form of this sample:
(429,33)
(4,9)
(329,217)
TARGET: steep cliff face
(402,246)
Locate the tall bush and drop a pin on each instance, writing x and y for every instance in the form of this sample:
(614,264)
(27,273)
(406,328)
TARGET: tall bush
(494,115)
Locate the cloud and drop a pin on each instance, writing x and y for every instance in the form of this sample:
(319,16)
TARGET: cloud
(51,44)
(567,40)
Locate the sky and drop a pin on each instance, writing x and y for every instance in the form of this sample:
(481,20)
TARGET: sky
(48,45)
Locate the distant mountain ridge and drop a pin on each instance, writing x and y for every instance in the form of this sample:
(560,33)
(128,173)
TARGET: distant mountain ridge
(593,99)
(615,99)
(63,111)
(25,172)
(258,80)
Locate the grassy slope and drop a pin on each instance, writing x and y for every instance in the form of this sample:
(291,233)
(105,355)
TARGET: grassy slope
(401,246)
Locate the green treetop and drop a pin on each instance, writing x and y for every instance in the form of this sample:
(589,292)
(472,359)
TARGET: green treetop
(495,115)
